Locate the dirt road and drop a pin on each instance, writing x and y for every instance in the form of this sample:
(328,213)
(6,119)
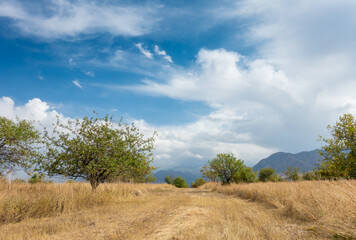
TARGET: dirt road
(169,214)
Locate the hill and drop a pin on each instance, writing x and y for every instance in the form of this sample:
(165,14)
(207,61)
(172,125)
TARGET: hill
(280,161)
(188,176)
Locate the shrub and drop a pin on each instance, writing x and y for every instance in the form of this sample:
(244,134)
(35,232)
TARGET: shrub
(310,176)
(168,179)
(293,174)
(198,182)
(268,175)
(179,182)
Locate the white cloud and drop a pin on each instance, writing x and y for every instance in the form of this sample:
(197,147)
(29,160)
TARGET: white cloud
(89,73)
(71,62)
(221,77)
(255,106)
(34,110)
(64,18)
(144,51)
(163,54)
(40,76)
(76,83)
(185,145)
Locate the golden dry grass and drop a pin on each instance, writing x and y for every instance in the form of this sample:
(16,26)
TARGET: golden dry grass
(328,206)
(160,211)
(22,200)
(162,214)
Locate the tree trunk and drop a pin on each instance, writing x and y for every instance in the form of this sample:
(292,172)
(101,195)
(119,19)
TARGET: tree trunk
(94,184)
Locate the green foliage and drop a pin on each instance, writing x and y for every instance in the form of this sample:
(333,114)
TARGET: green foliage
(179,182)
(246,174)
(268,175)
(98,149)
(293,175)
(37,178)
(198,182)
(209,173)
(17,144)
(168,179)
(226,168)
(150,178)
(310,176)
(339,153)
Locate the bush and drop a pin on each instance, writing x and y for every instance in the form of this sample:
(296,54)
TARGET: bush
(293,175)
(268,175)
(179,182)
(310,176)
(246,175)
(168,179)
(198,182)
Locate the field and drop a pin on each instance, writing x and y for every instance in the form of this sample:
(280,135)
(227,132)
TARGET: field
(296,210)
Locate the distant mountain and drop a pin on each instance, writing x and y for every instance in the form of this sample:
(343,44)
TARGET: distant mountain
(187,175)
(280,161)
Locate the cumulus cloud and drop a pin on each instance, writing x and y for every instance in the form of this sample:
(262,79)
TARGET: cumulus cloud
(34,110)
(59,19)
(187,145)
(266,107)
(194,143)
(222,77)
(144,51)
(163,54)
(76,83)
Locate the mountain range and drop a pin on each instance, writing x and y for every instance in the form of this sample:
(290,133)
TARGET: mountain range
(305,161)
(280,161)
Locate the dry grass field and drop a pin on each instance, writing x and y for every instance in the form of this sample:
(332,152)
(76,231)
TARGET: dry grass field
(329,207)
(305,210)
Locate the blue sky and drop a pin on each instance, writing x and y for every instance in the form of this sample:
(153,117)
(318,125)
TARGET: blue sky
(249,77)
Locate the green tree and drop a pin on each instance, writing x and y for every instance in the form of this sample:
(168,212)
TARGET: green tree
(293,174)
(339,153)
(179,182)
(268,175)
(17,144)
(226,166)
(198,182)
(97,149)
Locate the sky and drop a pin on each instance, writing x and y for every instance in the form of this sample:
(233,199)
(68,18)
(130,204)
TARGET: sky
(249,77)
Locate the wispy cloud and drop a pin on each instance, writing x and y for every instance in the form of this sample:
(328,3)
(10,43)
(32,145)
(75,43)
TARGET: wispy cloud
(163,54)
(76,83)
(40,76)
(89,73)
(71,62)
(144,51)
(59,19)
